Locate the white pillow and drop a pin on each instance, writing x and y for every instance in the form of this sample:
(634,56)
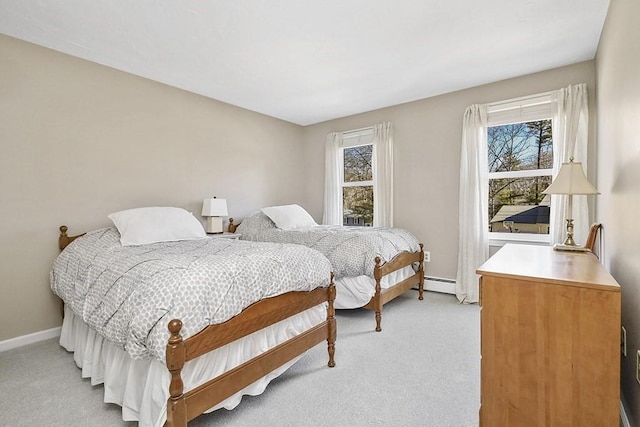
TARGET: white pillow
(156,224)
(289,217)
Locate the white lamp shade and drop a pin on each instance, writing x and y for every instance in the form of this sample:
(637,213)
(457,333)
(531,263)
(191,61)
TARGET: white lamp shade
(571,180)
(214,207)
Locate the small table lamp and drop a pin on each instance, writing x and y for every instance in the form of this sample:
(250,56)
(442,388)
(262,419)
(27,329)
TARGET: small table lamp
(213,209)
(570,180)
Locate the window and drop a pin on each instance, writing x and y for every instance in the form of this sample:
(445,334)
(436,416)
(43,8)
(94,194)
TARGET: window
(520,159)
(358,185)
(357,178)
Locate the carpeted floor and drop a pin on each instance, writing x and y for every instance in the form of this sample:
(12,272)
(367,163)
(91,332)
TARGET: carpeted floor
(421,370)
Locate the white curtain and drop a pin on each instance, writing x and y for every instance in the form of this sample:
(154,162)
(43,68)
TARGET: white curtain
(570,136)
(473,240)
(332,185)
(383,175)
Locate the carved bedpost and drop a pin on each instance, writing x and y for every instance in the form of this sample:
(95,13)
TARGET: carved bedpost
(421,271)
(63,240)
(232,226)
(176,354)
(331,340)
(377,305)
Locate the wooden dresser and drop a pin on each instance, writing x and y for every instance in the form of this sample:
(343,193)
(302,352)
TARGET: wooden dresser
(550,339)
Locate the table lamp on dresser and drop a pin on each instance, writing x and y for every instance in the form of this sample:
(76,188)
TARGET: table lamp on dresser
(570,181)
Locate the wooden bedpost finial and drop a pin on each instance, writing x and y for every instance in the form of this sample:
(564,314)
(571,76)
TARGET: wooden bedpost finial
(174,327)
(232,227)
(63,231)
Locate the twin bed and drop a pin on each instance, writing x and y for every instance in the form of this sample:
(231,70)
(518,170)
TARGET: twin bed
(372,265)
(177,327)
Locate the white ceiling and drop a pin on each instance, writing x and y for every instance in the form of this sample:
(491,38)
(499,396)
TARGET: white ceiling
(307,61)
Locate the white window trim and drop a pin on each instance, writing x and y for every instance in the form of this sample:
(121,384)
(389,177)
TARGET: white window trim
(521,174)
(354,138)
(358,184)
(501,239)
(519,110)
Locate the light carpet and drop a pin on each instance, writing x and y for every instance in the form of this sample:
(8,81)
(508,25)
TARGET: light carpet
(423,369)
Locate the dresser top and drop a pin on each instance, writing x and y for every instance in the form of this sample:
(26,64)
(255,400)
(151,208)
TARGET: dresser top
(529,262)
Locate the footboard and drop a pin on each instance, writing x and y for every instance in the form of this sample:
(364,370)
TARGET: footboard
(185,406)
(382,296)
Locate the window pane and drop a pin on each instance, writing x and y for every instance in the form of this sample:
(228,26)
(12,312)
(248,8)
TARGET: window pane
(518,205)
(520,146)
(357,163)
(357,205)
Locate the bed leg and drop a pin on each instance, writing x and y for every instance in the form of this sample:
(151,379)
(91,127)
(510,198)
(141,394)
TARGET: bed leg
(176,354)
(378,320)
(377,305)
(331,338)
(421,272)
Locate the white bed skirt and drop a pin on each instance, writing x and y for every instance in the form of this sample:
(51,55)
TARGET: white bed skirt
(355,292)
(141,387)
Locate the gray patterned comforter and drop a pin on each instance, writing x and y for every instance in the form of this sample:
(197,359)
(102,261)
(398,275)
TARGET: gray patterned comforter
(351,250)
(129,294)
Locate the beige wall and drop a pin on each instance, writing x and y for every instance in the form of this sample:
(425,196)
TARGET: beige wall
(427,138)
(79,140)
(618,77)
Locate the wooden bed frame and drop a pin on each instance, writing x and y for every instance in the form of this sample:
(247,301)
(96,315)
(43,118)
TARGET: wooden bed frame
(184,406)
(383,296)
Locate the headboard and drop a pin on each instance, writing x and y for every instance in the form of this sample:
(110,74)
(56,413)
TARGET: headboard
(232,226)
(64,240)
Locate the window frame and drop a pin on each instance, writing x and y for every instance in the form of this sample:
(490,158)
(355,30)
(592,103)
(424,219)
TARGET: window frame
(520,110)
(353,139)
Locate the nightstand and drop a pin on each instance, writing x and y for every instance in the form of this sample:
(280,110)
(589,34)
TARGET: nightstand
(225,235)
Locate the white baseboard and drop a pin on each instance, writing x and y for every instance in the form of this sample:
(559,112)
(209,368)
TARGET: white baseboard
(624,420)
(437,284)
(16,342)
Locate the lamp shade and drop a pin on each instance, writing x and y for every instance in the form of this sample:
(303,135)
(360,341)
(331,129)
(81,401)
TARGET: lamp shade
(214,207)
(571,180)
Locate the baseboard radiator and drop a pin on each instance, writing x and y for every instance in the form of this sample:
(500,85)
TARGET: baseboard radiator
(439,284)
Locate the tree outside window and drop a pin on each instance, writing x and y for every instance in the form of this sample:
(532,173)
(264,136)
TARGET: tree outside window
(357,185)
(520,168)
